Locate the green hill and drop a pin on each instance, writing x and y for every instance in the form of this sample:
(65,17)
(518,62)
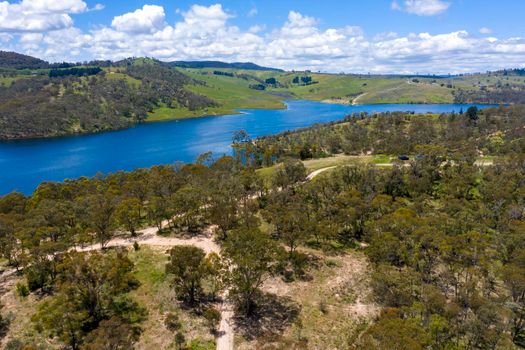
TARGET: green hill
(38,99)
(13,60)
(218,64)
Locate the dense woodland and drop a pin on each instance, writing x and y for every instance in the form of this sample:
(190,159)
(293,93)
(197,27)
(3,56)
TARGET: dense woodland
(13,60)
(445,236)
(494,131)
(79,100)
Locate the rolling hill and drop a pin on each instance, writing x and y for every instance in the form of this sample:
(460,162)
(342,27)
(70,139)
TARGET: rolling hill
(39,99)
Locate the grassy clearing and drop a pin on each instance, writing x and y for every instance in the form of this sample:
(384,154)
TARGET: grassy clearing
(316,164)
(166,114)
(312,165)
(7,81)
(402,92)
(378,89)
(231,93)
(120,76)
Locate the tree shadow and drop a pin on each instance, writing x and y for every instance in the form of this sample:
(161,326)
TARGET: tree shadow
(271,317)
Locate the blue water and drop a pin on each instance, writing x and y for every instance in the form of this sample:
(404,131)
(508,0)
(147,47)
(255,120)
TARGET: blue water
(25,164)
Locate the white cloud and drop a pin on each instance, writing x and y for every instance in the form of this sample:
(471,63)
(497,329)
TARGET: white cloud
(97,7)
(149,19)
(205,33)
(52,6)
(257,28)
(422,7)
(485,30)
(212,14)
(38,15)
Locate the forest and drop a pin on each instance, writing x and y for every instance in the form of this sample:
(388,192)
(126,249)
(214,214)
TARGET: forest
(81,100)
(435,242)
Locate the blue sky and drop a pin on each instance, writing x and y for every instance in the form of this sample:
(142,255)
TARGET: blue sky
(504,17)
(383,36)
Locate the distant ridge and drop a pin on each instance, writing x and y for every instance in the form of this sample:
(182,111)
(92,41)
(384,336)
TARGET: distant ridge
(13,60)
(219,64)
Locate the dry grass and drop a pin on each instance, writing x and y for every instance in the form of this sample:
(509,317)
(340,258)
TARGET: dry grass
(154,293)
(19,311)
(157,296)
(333,305)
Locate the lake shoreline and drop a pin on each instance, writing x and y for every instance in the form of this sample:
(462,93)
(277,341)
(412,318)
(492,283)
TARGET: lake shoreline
(234,112)
(29,162)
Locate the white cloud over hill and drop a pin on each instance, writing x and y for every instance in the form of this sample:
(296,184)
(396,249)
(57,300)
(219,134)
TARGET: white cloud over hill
(206,32)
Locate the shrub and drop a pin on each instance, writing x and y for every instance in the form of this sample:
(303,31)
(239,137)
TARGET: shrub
(172,322)
(22,289)
(213,317)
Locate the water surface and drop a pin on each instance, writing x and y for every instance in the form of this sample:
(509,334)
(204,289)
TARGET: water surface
(25,164)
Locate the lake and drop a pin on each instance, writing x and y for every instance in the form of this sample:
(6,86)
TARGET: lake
(25,164)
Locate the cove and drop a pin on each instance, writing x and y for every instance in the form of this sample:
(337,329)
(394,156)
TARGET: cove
(25,164)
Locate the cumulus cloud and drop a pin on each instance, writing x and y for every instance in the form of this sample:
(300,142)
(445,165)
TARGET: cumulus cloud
(149,19)
(206,33)
(422,7)
(38,15)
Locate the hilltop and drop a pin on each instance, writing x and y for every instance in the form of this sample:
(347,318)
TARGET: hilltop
(219,64)
(13,60)
(39,99)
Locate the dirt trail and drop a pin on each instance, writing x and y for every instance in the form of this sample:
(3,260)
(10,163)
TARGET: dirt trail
(318,172)
(148,236)
(355,101)
(225,337)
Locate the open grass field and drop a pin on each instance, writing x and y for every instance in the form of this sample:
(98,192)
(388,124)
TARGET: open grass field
(312,165)
(373,90)
(230,93)
(382,160)
(120,76)
(233,93)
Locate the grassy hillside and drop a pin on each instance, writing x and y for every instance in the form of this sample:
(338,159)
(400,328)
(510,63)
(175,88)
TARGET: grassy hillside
(38,99)
(325,87)
(230,93)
